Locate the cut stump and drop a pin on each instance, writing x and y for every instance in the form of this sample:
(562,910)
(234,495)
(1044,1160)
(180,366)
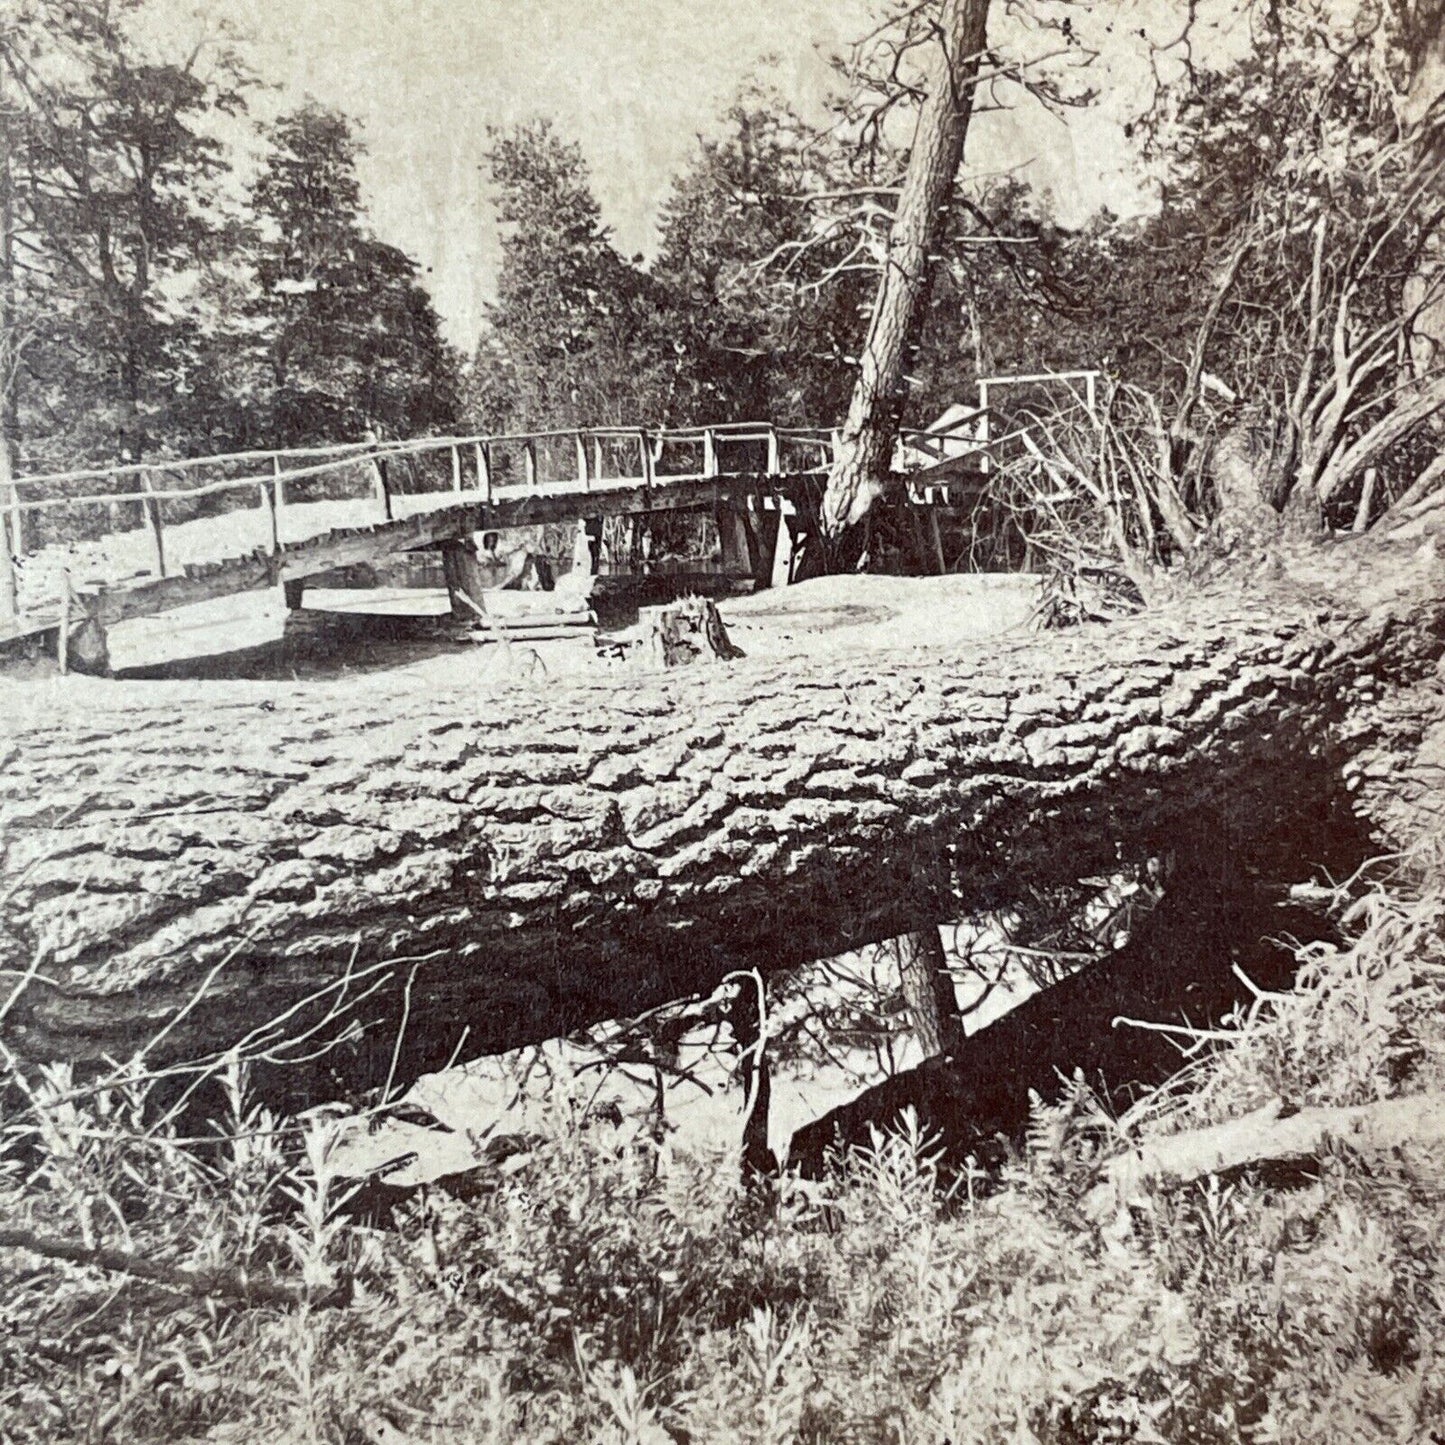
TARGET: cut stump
(690,632)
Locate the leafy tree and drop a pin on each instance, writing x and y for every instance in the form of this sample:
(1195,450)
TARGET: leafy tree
(110,164)
(578,334)
(348,339)
(767,308)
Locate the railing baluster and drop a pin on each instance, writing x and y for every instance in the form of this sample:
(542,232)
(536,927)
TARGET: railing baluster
(271,501)
(529,462)
(456,469)
(582,460)
(986,460)
(484,471)
(152,510)
(775,464)
(644,445)
(597,458)
(709,453)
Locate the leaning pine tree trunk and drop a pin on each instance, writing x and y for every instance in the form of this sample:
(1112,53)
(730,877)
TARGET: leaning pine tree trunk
(860,469)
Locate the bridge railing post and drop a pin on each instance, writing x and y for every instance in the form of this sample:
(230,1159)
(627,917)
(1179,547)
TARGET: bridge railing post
(271,503)
(985,461)
(529,463)
(582,461)
(775,463)
(596,458)
(380,481)
(484,472)
(152,510)
(644,447)
(456,469)
(709,453)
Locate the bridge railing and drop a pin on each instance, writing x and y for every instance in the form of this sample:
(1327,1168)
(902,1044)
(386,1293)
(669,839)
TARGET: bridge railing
(133,517)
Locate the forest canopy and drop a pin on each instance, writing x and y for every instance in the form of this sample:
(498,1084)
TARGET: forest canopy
(167,294)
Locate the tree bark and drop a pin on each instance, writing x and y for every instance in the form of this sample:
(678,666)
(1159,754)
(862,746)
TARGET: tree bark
(179,871)
(12,542)
(861,467)
(928,991)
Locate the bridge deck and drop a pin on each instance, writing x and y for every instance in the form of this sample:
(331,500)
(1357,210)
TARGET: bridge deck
(265,534)
(346,546)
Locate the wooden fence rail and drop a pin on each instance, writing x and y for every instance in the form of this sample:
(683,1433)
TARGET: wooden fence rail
(603,458)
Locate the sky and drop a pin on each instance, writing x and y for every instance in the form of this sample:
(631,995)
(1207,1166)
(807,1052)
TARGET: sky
(633,81)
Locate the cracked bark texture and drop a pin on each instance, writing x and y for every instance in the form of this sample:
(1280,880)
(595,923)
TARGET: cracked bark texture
(860,470)
(501,868)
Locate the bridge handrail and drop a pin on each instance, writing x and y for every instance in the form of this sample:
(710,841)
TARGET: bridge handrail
(346,454)
(341,453)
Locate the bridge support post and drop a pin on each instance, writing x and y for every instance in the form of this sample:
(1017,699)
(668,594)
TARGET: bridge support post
(586,548)
(785,546)
(152,510)
(766,516)
(459,566)
(293,589)
(739,545)
(9,604)
(82,644)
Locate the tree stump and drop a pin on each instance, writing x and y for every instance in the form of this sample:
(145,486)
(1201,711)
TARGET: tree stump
(689,632)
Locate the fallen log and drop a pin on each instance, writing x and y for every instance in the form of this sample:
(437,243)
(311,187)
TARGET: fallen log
(218,1283)
(465,872)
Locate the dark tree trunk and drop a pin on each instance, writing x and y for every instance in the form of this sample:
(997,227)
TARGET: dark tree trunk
(489,871)
(746,1013)
(928,990)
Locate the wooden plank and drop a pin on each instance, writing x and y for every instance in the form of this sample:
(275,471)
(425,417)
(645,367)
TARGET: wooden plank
(152,510)
(484,470)
(533,634)
(62,643)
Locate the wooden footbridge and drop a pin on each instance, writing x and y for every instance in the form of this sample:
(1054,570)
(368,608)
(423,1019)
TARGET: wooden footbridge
(94,547)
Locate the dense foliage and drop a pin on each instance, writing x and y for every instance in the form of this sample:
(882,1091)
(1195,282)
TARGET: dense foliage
(607,1287)
(156,304)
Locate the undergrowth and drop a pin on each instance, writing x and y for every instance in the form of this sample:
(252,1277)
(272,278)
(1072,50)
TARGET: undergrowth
(599,1291)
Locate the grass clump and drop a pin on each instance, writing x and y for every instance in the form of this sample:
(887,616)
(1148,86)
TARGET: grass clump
(615,1290)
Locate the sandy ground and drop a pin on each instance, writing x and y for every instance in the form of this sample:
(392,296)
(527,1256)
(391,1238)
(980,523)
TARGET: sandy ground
(829,616)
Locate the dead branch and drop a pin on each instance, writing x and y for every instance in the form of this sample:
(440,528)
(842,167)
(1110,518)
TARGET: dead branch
(234,1283)
(1268,1135)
